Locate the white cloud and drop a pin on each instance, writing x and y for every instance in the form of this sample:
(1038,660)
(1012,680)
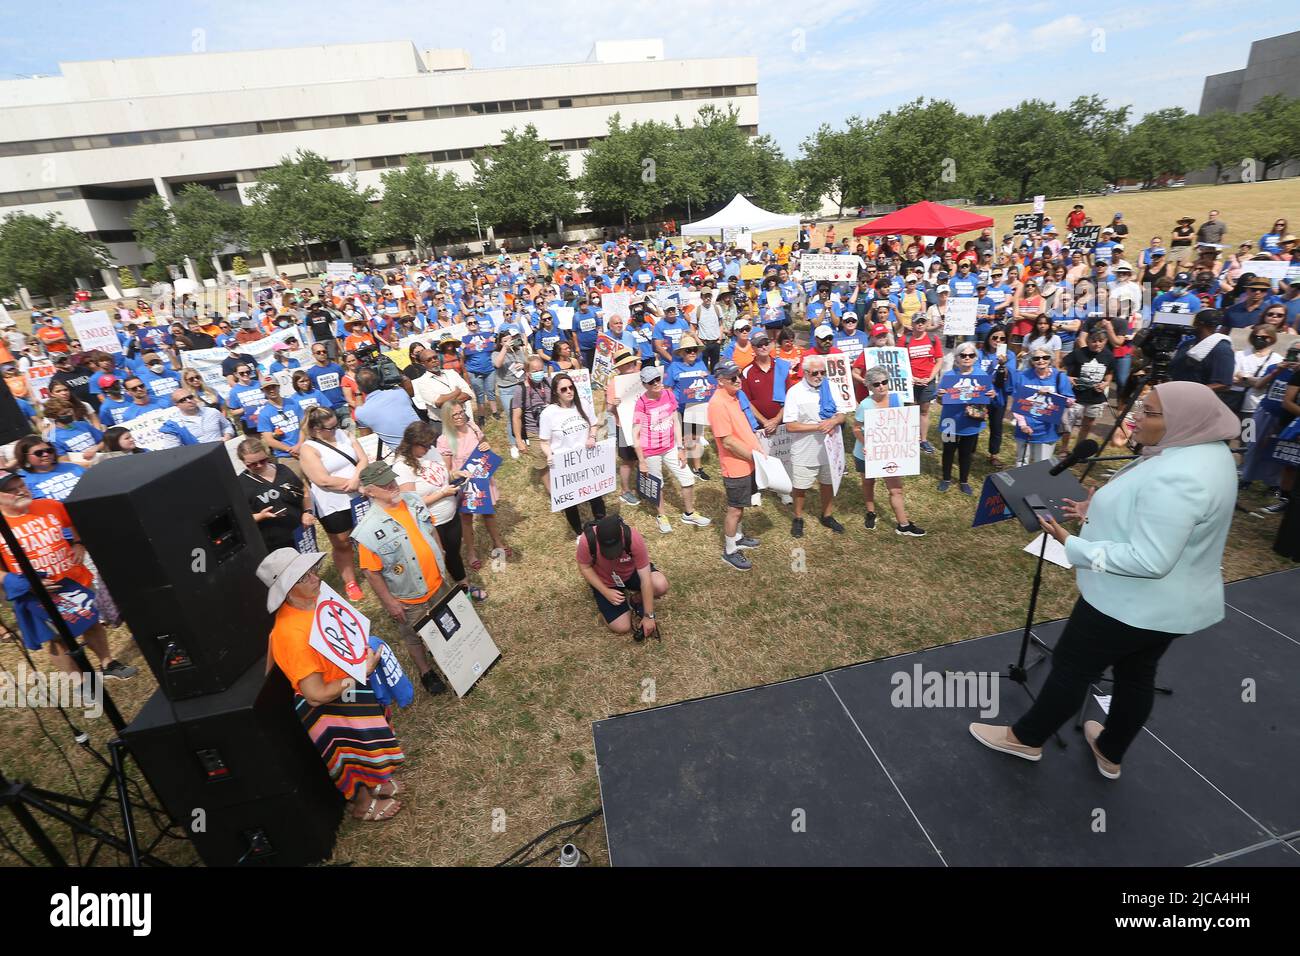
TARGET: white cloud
(1059,32)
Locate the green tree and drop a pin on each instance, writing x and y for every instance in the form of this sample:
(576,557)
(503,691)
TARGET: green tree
(299,202)
(1228,138)
(1095,137)
(717,152)
(1165,142)
(835,164)
(45,254)
(420,204)
(1028,145)
(1274,124)
(632,171)
(197,225)
(929,150)
(771,176)
(524,181)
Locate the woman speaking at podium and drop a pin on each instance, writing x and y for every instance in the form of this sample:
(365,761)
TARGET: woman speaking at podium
(1147,562)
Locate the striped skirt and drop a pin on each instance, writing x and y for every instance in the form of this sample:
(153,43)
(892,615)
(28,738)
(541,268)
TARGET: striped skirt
(354,739)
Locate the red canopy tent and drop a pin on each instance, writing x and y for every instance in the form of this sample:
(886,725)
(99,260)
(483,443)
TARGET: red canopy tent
(924,219)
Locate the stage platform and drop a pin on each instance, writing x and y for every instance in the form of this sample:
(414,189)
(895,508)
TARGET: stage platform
(825,771)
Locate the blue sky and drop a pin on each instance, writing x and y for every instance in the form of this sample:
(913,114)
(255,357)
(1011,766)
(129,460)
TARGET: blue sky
(819,60)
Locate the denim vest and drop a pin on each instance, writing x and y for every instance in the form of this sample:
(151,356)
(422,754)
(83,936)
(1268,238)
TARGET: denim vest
(385,536)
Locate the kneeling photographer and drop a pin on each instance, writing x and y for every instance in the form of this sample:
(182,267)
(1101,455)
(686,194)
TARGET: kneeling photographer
(1208,358)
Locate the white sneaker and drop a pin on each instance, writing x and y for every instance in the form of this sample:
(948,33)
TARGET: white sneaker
(695,518)
(787,500)
(665,526)
(514,452)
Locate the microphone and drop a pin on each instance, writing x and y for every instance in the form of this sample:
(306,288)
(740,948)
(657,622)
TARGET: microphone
(1082,452)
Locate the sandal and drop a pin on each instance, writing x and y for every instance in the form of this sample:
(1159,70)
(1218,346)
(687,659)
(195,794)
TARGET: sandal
(394,789)
(374,814)
(476,564)
(477,594)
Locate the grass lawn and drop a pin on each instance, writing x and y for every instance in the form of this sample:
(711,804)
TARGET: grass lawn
(521,741)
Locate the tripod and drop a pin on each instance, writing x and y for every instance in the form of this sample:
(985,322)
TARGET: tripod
(1019,672)
(22,797)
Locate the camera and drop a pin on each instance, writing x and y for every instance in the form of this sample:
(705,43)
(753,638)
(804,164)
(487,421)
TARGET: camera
(1293,354)
(369,356)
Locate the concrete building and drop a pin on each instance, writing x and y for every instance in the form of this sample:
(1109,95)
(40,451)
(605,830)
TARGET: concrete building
(94,141)
(1273,67)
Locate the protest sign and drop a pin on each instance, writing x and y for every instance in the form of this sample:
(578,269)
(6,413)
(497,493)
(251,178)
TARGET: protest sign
(1027,222)
(481,464)
(697,413)
(95,332)
(603,364)
(338,270)
(153,337)
(960,317)
(563,317)
(304,539)
(1084,238)
(752,271)
(617,304)
(894,361)
(146,429)
(581,474)
(649,488)
(841,382)
(1040,204)
(958,389)
(834,445)
(38,380)
(774,300)
(582,382)
(208,361)
(341,633)
(1273,270)
(458,641)
(777,445)
(891,442)
(476,497)
(628,388)
(829,267)
(992,507)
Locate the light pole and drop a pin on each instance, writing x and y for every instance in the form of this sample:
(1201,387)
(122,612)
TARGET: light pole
(477,225)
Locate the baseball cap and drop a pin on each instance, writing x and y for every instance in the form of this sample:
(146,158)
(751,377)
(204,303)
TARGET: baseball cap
(609,535)
(726,370)
(378,473)
(743,324)
(1209,317)
(651,373)
(824,332)
(6,475)
(943,288)
(280,347)
(760,338)
(108,381)
(1183,278)
(269,381)
(879,330)
(848,317)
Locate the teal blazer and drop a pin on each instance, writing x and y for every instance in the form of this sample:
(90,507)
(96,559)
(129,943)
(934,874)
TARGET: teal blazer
(1150,553)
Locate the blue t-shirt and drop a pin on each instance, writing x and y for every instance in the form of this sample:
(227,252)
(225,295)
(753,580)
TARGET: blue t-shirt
(286,420)
(160,386)
(278,366)
(328,379)
(691,384)
(851,345)
(958,393)
(26,407)
(586,323)
(56,484)
(671,332)
(864,406)
(1041,412)
(1188,303)
(113,412)
(478,352)
(544,340)
(134,411)
(962,287)
(249,399)
(820,312)
(1270,242)
(77,437)
(306,401)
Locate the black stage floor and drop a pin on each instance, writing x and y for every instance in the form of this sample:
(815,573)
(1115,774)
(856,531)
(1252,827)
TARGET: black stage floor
(824,770)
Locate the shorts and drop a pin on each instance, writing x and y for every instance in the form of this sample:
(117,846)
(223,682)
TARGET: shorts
(340,522)
(740,491)
(1075,414)
(925,393)
(412,614)
(804,477)
(654,465)
(612,612)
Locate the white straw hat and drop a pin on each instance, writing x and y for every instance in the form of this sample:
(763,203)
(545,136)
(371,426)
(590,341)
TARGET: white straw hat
(282,569)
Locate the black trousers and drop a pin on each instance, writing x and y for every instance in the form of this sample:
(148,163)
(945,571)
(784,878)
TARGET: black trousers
(574,516)
(450,535)
(963,448)
(712,352)
(997,418)
(1091,642)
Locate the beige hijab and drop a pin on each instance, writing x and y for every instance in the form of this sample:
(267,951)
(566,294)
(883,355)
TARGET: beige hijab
(1193,416)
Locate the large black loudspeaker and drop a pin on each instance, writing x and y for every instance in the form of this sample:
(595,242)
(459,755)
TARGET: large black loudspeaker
(178,549)
(1287,542)
(13,423)
(236,771)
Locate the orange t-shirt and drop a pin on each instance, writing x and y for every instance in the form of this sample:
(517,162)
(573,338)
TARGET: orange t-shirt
(354,342)
(293,655)
(743,356)
(727,418)
(53,338)
(40,534)
(423,553)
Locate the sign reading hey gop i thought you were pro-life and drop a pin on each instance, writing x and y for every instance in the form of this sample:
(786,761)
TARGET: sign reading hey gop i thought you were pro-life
(581,474)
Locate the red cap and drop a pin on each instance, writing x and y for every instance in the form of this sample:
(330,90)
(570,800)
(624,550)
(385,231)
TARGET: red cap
(879,330)
(107,381)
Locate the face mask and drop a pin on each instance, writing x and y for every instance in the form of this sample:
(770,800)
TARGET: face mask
(1258,341)
(538,377)
(155,366)
(66,419)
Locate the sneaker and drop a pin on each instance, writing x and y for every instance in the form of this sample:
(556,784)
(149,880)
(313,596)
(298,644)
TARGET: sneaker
(695,518)
(787,499)
(997,737)
(830,522)
(910,529)
(496,416)
(628,498)
(482,421)
(430,681)
(747,542)
(995,462)
(927,448)
(737,561)
(870,521)
(965,489)
(701,474)
(1091,731)
(514,452)
(796,528)
(119,671)
(665,526)
(1268,510)
(945,485)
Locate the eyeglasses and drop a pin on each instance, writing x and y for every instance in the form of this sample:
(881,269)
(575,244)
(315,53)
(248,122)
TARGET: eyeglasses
(812,374)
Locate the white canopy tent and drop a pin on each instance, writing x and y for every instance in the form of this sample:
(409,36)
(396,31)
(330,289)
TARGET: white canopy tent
(740,213)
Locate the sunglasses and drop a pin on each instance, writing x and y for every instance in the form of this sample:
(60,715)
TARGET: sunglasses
(256,464)
(877,384)
(969,355)
(811,374)
(135,388)
(42,451)
(564,390)
(1040,358)
(244,374)
(186,398)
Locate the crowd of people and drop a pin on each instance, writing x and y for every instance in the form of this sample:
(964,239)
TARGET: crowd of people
(716,348)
